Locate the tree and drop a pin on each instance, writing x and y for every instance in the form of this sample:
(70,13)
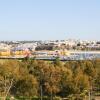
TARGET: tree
(26,86)
(66,82)
(52,82)
(89,69)
(57,62)
(7,77)
(81,82)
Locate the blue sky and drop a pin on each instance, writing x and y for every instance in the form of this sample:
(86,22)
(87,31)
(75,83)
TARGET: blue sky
(49,19)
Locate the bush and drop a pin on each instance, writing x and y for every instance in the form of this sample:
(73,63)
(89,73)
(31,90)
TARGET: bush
(57,98)
(33,98)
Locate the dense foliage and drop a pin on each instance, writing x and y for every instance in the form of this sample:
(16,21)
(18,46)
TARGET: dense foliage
(37,78)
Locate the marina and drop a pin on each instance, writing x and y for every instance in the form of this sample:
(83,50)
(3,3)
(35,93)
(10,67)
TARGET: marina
(71,55)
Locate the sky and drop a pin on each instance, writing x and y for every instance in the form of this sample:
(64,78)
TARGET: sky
(49,19)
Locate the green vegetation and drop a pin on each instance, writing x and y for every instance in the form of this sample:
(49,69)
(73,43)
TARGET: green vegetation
(43,80)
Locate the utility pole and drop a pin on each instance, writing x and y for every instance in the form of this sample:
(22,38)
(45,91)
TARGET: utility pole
(41,84)
(41,92)
(89,94)
(90,91)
